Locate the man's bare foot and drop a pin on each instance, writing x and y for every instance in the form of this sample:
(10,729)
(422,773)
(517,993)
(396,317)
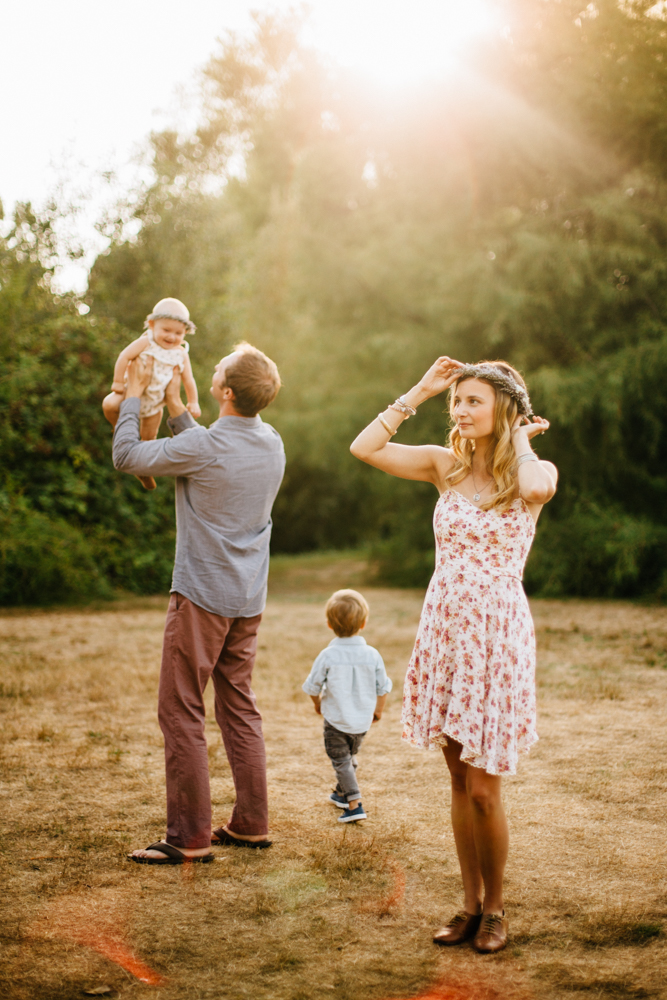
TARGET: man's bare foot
(239,836)
(147,482)
(199,852)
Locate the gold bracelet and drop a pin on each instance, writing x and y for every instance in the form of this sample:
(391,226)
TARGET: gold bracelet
(386,425)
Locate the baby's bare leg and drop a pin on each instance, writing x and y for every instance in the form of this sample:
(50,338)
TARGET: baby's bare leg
(149,426)
(111,406)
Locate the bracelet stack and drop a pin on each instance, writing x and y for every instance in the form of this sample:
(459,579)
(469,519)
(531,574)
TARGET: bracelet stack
(402,407)
(530,457)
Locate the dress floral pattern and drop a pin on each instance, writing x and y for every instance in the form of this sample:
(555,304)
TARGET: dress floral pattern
(472,672)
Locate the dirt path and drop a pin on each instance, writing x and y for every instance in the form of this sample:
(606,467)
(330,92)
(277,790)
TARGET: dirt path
(328,911)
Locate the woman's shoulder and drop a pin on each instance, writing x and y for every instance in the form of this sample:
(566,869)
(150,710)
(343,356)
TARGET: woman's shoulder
(443,460)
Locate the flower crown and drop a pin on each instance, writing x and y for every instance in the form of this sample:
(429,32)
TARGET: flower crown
(501,380)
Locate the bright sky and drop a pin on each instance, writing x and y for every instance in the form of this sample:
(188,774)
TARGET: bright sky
(85,82)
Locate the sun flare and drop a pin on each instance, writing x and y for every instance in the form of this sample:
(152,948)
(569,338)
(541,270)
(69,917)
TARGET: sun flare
(398,42)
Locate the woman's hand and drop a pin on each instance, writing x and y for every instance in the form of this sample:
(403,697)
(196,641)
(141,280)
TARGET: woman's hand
(526,431)
(536,480)
(138,376)
(440,376)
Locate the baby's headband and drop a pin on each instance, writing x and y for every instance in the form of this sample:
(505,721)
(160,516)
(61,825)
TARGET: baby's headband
(187,323)
(173,309)
(502,380)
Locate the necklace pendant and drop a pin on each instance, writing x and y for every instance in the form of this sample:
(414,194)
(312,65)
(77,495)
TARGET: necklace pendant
(476,498)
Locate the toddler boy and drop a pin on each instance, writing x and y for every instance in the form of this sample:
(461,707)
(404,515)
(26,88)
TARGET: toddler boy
(349,686)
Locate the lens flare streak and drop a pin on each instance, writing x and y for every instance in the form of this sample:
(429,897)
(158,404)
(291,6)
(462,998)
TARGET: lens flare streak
(114,949)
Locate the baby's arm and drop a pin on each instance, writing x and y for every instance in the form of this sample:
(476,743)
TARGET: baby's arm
(128,354)
(191,390)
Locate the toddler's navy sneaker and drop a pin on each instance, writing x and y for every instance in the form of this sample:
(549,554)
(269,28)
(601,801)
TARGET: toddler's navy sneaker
(352,815)
(338,800)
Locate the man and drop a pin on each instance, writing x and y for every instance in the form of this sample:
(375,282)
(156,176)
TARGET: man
(227,478)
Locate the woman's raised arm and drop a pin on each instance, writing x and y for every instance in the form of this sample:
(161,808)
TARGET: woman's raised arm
(422,462)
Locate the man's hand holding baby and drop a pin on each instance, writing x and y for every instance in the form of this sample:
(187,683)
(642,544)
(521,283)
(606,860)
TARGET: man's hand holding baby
(138,376)
(172,395)
(172,398)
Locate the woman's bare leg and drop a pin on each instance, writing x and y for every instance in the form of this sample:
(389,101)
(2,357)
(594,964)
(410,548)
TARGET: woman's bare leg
(489,825)
(462,825)
(480,832)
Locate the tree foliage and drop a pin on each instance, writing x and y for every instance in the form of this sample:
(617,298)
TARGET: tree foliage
(515,210)
(71,528)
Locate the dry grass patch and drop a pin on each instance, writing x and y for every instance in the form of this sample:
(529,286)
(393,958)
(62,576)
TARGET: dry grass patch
(327,911)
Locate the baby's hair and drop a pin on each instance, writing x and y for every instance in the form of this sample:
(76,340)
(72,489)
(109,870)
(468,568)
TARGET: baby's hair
(346,611)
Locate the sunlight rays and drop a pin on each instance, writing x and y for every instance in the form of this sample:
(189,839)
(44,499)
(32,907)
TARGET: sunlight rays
(398,43)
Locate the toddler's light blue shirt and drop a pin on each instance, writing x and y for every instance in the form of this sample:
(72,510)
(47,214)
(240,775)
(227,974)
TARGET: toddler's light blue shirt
(350,676)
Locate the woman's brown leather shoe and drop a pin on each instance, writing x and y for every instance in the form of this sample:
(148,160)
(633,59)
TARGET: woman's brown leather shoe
(492,933)
(460,928)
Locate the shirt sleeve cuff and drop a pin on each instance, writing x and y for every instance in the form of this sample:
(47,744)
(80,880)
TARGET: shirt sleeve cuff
(385,689)
(311,688)
(182,422)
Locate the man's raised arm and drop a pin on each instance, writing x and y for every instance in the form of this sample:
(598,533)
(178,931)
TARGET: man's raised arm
(177,456)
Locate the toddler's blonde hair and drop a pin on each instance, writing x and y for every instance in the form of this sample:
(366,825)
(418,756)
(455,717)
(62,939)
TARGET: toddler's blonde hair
(347,611)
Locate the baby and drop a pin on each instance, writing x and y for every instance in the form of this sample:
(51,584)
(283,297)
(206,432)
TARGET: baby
(349,687)
(163,342)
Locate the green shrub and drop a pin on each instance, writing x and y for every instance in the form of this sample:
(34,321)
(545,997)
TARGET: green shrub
(46,561)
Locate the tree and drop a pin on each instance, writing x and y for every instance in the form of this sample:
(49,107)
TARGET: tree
(516,211)
(72,527)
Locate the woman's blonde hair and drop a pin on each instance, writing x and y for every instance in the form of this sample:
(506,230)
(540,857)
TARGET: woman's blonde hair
(502,463)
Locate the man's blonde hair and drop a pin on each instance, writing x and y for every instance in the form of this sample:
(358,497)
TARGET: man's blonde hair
(253,378)
(347,611)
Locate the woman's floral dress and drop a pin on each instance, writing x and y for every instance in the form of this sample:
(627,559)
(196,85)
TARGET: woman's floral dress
(472,671)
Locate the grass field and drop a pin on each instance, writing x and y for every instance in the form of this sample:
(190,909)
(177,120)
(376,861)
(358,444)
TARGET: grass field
(327,911)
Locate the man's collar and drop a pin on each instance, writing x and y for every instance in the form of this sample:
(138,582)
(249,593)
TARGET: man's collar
(348,640)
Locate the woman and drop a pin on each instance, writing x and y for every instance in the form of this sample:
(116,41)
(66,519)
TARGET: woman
(470,686)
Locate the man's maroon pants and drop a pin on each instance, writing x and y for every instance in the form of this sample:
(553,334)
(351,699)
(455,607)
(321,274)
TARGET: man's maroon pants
(199,645)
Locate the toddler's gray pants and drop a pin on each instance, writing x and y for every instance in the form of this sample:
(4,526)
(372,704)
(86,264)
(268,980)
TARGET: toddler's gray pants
(341,749)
